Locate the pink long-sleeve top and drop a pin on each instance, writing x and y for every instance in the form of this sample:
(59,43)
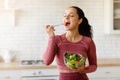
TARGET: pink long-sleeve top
(59,45)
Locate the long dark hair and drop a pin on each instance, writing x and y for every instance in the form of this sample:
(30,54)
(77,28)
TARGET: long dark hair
(84,27)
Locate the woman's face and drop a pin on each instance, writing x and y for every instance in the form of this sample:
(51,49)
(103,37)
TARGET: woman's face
(71,20)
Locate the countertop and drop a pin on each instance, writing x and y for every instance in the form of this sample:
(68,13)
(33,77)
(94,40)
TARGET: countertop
(17,66)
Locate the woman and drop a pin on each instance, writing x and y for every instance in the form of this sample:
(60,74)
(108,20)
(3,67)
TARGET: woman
(76,40)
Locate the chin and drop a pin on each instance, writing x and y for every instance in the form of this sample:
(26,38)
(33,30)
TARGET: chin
(67,29)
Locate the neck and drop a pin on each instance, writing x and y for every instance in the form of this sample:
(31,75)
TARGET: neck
(73,36)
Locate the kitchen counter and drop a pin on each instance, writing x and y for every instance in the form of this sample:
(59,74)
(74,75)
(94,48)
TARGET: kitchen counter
(16,66)
(16,71)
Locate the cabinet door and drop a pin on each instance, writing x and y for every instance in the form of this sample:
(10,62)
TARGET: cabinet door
(112,16)
(116,14)
(105,73)
(9,75)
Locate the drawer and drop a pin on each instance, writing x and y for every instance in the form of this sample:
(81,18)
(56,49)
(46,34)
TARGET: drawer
(10,75)
(39,72)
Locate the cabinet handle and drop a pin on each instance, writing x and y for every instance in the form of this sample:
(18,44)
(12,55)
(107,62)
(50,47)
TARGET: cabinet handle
(34,73)
(39,72)
(7,77)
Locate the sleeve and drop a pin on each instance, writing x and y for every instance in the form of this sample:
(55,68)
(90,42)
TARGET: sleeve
(92,58)
(50,51)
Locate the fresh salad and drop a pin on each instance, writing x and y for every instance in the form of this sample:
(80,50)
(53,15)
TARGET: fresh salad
(73,61)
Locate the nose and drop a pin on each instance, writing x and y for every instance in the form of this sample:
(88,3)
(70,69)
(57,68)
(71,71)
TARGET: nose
(67,17)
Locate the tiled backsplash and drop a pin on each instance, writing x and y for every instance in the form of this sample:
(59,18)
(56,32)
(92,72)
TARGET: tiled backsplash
(29,37)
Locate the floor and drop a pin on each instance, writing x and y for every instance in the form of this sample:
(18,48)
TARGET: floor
(106,73)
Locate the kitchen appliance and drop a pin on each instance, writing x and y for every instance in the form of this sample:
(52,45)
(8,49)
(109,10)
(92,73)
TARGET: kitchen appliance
(32,62)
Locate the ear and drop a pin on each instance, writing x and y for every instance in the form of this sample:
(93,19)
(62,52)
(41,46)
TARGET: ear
(80,21)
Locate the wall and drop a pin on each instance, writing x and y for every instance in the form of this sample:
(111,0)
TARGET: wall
(28,37)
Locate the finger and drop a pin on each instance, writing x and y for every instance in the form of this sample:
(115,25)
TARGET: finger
(47,26)
(52,28)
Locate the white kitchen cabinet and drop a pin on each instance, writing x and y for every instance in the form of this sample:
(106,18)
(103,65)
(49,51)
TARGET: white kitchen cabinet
(10,75)
(7,17)
(112,16)
(105,73)
(39,74)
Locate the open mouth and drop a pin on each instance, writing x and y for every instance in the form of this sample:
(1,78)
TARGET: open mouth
(67,23)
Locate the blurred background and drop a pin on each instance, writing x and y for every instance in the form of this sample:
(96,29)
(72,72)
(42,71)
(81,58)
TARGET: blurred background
(23,38)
